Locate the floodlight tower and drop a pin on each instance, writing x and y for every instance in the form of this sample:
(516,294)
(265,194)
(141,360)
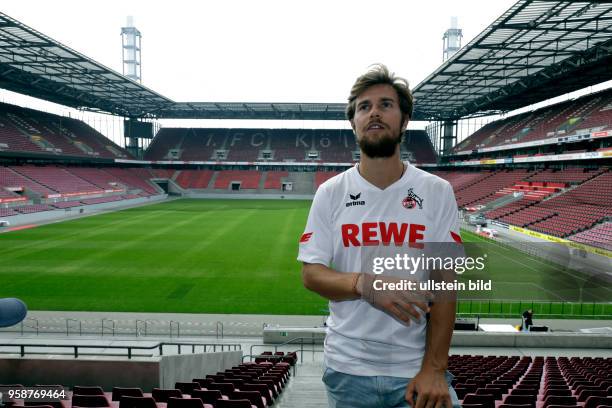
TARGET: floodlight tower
(130,41)
(451,41)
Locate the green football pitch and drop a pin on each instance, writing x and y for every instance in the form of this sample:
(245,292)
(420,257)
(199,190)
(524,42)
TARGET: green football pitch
(229,256)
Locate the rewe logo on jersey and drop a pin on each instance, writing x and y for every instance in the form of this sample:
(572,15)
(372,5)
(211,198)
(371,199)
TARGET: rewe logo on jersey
(355,200)
(412,200)
(383,233)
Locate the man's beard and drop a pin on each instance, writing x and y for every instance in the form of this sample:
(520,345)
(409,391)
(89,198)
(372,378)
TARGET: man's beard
(381,148)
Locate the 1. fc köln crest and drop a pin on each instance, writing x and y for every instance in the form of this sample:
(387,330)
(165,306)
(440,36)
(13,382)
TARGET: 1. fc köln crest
(412,200)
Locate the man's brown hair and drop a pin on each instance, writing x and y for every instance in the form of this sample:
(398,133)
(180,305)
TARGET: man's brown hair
(379,74)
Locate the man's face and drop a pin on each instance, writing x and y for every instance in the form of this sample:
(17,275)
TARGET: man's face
(378,121)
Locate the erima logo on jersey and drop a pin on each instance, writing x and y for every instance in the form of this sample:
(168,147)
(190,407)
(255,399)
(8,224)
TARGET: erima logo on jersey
(412,200)
(355,200)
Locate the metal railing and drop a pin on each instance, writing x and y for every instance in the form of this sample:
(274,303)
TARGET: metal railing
(68,321)
(108,327)
(219,324)
(176,324)
(35,327)
(111,328)
(544,310)
(77,348)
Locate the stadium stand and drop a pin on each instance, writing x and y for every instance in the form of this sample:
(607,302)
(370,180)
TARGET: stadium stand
(248,179)
(52,180)
(163,173)
(273,179)
(571,212)
(322,176)
(7,212)
(164,142)
(482,190)
(417,142)
(243,148)
(599,236)
(12,179)
(589,113)
(81,185)
(257,384)
(195,144)
(247,145)
(12,140)
(7,196)
(579,208)
(58,179)
(97,177)
(100,200)
(194,178)
(461,179)
(566,175)
(29,209)
(479,381)
(340,146)
(67,204)
(28,130)
(554,201)
(134,177)
(537,382)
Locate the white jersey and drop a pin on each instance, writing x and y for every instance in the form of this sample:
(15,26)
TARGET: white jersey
(347,214)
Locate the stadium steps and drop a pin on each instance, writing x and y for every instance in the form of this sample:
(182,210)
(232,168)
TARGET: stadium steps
(500,202)
(305,390)
(213,180)
(563,191)
(175,175)
(262,182)
(303,183)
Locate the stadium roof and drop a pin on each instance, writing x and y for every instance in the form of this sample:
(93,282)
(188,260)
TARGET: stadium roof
(36,65)
(536,50)
(238,110)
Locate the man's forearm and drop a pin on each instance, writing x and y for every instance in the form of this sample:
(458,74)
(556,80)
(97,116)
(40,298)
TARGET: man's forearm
(329,283)
(439,333)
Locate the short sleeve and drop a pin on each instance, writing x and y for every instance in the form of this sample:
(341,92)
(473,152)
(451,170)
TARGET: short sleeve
(316,241)
(448,229)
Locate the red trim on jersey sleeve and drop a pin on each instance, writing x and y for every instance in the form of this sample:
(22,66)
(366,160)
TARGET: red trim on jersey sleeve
(456,237)
(305,237)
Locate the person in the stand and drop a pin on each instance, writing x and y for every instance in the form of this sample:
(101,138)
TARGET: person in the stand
(527,319)
(380,349)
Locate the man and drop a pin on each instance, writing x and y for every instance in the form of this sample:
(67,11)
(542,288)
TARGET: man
(527,319)
(379,350)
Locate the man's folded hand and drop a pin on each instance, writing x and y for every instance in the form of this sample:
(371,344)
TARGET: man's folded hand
(404,305)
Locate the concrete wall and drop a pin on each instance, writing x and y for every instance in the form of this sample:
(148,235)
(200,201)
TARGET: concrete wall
(533,340)
(278,335)
(70,372)
(145,374)
(186,367)
(72,213)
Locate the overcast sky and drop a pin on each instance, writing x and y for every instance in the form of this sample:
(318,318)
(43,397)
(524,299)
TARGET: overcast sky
(261,50)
